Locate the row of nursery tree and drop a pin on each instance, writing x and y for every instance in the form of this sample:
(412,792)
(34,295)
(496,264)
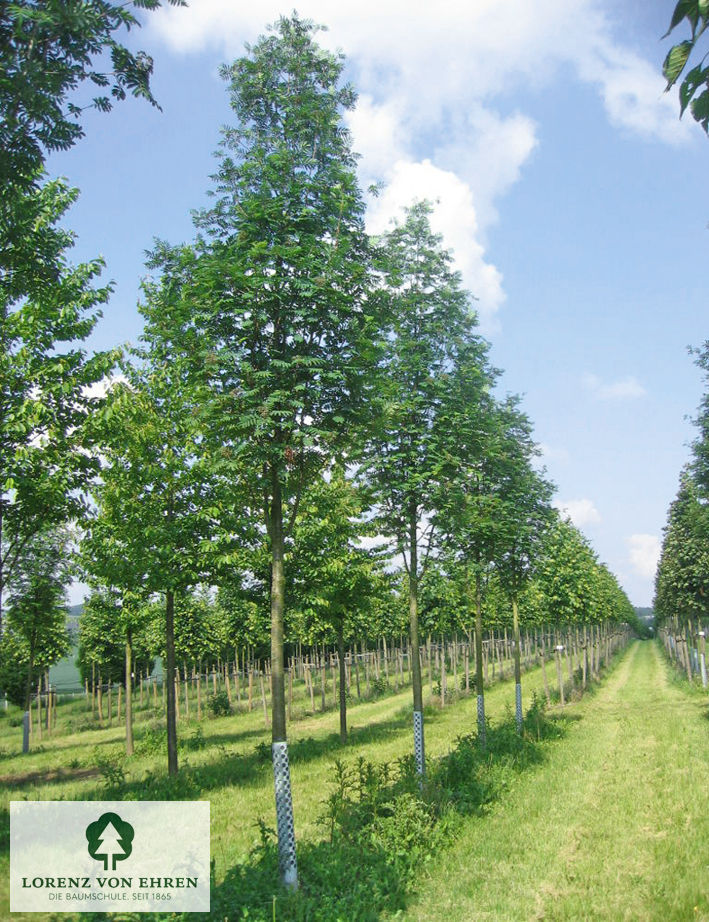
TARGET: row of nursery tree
(682,580)
(307,406)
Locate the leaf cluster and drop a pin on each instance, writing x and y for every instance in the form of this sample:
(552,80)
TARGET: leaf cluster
(694,88)
(48,48)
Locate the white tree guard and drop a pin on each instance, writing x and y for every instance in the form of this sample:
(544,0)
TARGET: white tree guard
(481,719)
(518,706)
(284,814)
(419,749)
(703,663)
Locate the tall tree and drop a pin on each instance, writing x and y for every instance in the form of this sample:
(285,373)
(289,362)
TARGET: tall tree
(279,290)
(700,446)
(477,475)
(682,579)
(429,323)
(48,49)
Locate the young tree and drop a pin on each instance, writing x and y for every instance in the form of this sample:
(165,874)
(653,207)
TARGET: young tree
(113,644)
(429,325)
(280,291)
(333,578)
(155,503)
(682,579)
(36,623)
(525,515)
(471,498)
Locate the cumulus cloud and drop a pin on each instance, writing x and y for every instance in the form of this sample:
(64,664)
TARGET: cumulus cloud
(622,389)
(582,512)
(431,77)
(454,217)
(644,554)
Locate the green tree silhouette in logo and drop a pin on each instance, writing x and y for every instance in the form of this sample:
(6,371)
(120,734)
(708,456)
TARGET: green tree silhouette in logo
(110,840)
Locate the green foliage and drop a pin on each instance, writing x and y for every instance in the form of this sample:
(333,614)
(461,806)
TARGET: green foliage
(379,686)
(332,582)
(110,763)
(700,446)
(285,238)
(47,307)
(694,88)
(382,829)
(152,741)
(682,578)
(14,661)
(429,326)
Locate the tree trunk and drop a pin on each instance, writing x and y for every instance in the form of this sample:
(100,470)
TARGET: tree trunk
(343,679)
(479,682)
(129,692)
(559,678)
(28,695)
(279,745)
(169,680)
(545,678)
(518,666)
(419,746)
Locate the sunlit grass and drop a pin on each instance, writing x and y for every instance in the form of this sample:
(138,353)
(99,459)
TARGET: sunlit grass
(615,826)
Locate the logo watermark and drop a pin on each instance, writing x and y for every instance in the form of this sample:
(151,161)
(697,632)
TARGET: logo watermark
(134,856)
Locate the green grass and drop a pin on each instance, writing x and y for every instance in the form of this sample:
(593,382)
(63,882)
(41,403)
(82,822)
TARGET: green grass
(605,820)
(614,826)
(233,769)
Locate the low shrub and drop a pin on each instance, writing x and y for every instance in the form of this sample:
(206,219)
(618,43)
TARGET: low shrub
(219,704)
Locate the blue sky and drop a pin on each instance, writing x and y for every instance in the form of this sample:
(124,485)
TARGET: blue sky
(571,194)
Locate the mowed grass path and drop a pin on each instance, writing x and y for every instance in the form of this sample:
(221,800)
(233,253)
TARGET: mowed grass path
(615,825)
(231,773)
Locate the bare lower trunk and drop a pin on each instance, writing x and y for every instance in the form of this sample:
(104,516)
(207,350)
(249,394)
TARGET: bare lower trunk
(518,666)
(343,681)
(419,745)
(479,681)
(169,682)
(129,693)
(279,745)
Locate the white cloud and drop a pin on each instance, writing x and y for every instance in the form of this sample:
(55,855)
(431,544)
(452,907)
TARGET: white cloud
(454,216)
(624,388)
(581,511)
(644,554)
(430,78)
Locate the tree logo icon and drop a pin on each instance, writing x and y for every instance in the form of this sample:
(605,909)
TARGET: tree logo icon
(110,840)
